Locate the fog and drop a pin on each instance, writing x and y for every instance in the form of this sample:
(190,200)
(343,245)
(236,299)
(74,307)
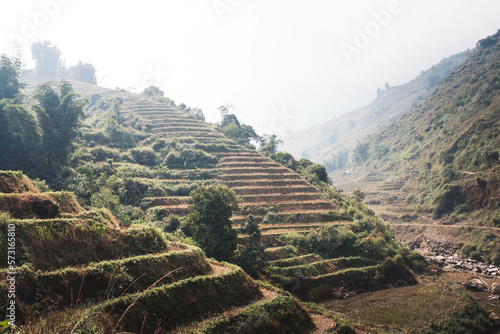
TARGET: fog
(281,64)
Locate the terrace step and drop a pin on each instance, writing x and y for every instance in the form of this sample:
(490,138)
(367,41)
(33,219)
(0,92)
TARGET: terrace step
(281,231)
(172,305)
(159,114)
(271,183)
(278,197)
(260,176)
(39,205)
(172,128)
(187,133)
(265,316)
(294,206)
(255,191)
(166,119)
(267,227)
(108,279)
(165,210)
(148,202)
(313,269)
(168,181)
(56,243)
(281,253)
(225,165)
(294,261)
(260,169)
(243,153)
(304,216)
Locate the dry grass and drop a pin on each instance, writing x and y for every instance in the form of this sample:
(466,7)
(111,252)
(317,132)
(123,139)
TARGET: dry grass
(409,308)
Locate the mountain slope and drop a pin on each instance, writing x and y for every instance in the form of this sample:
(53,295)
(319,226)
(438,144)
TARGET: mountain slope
(330,142)
(442,157)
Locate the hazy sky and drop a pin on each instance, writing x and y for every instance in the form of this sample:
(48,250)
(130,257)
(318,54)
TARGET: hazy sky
(284,64)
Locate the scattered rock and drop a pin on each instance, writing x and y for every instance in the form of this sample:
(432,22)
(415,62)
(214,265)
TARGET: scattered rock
(493,297)
(449,262)
(475,283)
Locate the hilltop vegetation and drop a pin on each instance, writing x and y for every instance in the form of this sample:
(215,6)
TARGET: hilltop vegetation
(333,142)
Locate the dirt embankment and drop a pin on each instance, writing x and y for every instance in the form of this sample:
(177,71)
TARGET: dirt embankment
(481,194)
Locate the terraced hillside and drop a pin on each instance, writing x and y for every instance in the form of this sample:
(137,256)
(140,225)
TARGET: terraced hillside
(80,271)
(175,153)
(260,182)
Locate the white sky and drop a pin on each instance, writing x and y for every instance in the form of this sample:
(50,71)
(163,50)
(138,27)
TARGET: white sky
(279,62)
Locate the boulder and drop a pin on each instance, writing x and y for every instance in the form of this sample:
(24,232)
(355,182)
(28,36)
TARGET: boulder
(477,284)
(495,288)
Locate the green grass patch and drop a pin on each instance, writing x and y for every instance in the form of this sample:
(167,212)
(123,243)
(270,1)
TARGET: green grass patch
(279,315)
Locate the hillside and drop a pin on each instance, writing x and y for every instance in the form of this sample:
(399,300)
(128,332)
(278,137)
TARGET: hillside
(440,160)
(120,256)
(79,271)
(178,153)
(331,143)
(140,158)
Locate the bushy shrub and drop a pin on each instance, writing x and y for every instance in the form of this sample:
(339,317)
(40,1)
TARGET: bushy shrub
(172,223)
(190,158)
(144,156)
(317,172)
(159,144)
(445,202)
(103,153)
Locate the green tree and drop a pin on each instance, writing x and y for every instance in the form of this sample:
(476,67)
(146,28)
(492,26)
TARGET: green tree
(209,220)
(360,153)
(229,119)
(197,113)
(231,131)
(250,256)
(19,139)
(358,195)
(153,91)
(106,198)
(10,84)
(82,72)
(224,111)
(47,58)
(247,134)
(269,144)
(285,159)
(59,112)
(317,173)
(251,228)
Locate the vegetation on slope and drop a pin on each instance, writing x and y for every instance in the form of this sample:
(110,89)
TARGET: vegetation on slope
(446,151)
(333,142)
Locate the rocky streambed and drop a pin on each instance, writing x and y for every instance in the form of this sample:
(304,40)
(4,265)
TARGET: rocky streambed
(445,255)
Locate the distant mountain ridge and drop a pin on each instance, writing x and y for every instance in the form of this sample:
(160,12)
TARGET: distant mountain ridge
(330,142)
